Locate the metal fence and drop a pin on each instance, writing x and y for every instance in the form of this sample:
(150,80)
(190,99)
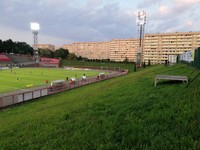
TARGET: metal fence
(30,94)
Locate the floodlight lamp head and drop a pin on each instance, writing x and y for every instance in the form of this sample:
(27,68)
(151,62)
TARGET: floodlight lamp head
(141,18)
(35,26)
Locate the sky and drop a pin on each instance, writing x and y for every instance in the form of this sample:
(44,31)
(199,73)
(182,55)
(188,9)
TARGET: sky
(67,21)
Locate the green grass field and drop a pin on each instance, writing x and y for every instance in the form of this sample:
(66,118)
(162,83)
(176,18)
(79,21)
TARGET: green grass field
(18,78)
(128,66)
(126,112)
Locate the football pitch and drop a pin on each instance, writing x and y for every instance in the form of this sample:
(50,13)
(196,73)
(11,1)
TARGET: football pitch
(20,78)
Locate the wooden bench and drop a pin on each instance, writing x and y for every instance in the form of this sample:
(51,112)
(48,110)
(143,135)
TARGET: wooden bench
(171,77)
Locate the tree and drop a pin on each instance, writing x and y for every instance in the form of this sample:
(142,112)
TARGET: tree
(72,56)
(144,64)
(23,48)
(61,53)
(57,54)
(8,46)
(149,62)
(1,46)
(79,58)
(46,53)
(126,60)
(134,65)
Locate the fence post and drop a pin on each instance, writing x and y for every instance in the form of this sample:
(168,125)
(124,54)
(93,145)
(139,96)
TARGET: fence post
(0,102)
(23,97)
(13,99)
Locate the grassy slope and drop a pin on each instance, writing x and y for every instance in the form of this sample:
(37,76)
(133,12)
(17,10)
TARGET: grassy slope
(123,113)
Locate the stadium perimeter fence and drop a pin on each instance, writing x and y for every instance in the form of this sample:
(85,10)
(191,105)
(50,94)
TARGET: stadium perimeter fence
(17,97)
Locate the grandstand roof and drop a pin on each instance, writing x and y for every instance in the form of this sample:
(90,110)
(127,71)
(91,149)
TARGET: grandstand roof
(45,60)
(4,58)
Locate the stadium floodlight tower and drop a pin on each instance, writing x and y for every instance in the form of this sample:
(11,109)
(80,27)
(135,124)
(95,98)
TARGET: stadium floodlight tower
(141,21)
(35,27)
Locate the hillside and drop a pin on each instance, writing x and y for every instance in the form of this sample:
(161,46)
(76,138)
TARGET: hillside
(126,112)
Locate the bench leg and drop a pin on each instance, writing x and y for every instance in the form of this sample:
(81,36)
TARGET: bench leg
(156,81)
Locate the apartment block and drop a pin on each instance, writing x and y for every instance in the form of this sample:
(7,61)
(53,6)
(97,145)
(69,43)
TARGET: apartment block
(159,47)
(90,50)
(123,49)
(46,46)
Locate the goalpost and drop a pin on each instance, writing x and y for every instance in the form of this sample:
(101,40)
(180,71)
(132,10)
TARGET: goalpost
(104,67)
(117,68)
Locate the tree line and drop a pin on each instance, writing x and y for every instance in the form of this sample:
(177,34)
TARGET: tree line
(9,46)
(59,53)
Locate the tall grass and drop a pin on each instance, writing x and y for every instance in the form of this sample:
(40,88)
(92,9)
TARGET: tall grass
(127,112)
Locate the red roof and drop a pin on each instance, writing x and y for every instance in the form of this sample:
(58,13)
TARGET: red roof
(4,58)
(45,60)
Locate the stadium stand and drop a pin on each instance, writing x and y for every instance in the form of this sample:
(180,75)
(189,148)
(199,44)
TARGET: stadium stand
(27,61)
(4,58)
(21,58)
(16,60)
(49,62)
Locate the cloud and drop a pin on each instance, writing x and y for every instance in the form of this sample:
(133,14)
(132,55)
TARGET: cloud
(16,35)
(164,10)
(171,25)
(189,23)
(94,3)
(97,23)
(94,20)
(104,22)
(183,6)
(185,3)
(148,3)
(74,20)
(174,16)
(26,35)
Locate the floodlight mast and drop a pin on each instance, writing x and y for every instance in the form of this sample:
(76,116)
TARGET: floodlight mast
(141,21)
(35,27)
(35,39)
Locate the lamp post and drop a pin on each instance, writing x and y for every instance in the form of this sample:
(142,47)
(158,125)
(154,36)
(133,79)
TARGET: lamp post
(35,27)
